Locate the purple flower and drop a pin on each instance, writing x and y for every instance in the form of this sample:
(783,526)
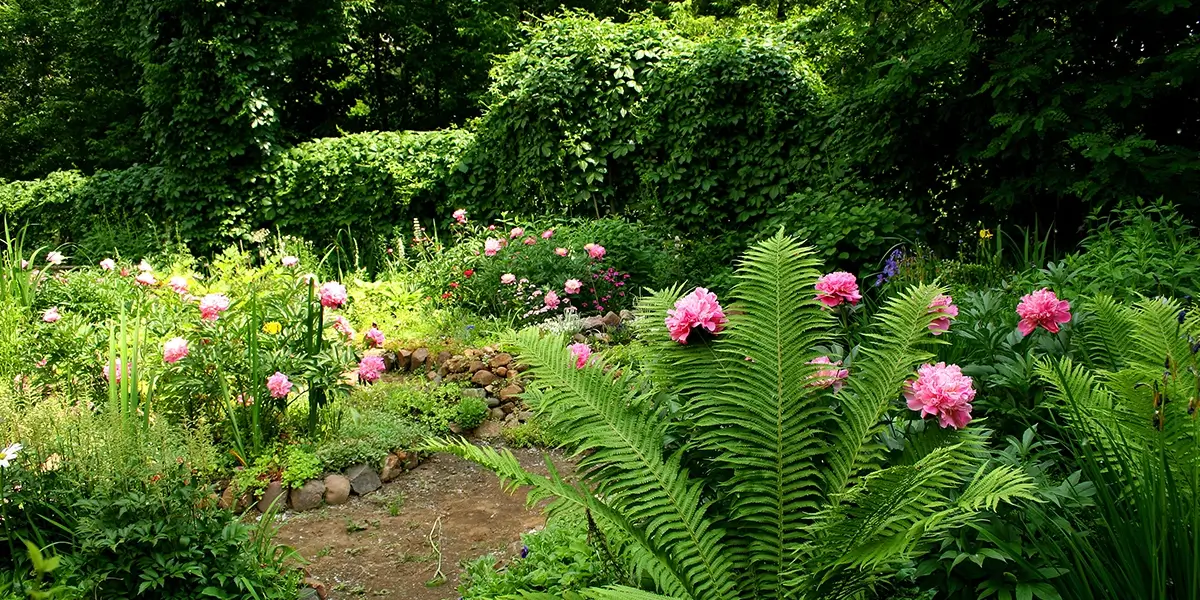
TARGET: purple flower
(524,551)
(891,266)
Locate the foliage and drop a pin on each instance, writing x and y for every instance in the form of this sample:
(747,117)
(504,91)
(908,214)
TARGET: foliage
(470,412)
(530,434)
(368,437)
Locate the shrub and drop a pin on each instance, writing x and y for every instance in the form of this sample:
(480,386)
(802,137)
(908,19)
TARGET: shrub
(470,413)
(367,437)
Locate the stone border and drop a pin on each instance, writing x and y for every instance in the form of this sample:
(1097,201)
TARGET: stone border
(330,490)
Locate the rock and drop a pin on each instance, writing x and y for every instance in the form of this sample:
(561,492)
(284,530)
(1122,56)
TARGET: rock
(612,319)
(489,430)
(389,361)
(525,416)
(501,371)
(492,401)
(420,358)
(472,353)
(511,424)
(474,393)
(511,392)
(363,479)
(500,360)
(307,496)
(337,489)
(457,364)
(442,357)
(602,337)
(496,413)
(316,587)
(591,323)
(308,594)
(483,377)
(273,492)
(455,429)
(404,360)
(522,368)
(392,468)
(579,339)
(626,316)
(476,366)
(431,375)
(508,408)
(411,461)
(457,377)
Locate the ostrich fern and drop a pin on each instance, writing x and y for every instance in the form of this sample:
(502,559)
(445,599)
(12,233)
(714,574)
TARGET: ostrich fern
(780,489)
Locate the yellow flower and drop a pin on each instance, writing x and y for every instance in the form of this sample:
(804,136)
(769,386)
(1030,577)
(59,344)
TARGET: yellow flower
(272,327)
(985,234)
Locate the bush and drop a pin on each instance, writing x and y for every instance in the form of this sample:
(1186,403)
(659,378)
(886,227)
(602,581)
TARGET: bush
(470,413)
(367,437)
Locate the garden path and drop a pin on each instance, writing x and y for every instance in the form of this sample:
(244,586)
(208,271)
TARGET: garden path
(378,546)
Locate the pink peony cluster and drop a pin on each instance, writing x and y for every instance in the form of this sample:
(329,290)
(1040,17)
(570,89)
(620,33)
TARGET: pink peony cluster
(120,369)
(547,234)
(835,377)
(551,300)
(146,278)
(370,368)
(529,241)
(51,315)
(108,264)
(460,216)
(697,309)
(944,391)
(942,306)
(179,284)
(55,258)
(333,294)
(289,261)
(561,251)
(1042,309)
(491,247)
(342,326)
(572,286)
(212,305)
(516,232)
(582,353)
(278,385)
(838,287)
(175,349)
(595,251)
(374,337)
(508,279)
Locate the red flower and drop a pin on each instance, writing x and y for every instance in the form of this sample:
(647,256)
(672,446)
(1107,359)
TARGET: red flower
(454,284)
(446,296)
(468,272)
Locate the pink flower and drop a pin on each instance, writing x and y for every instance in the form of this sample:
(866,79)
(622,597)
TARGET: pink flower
(333,294)
(175,349)
(943,307)
(561,251)
(212,305)
(278,385)
(370,367)
(529,241)
(551,300)
(491,247)
(55,258)
(1042,309)
(836,287)
(572,286)
(244,400)
(120,369)
(460,216)
(374,337)
(42,363)
(829,377)
(289,261)
(547,234)
(508,279)
(108,264)
(146,279)
(51,315)
(944,391)
(491,227)
(24,264)
(145,266)
(595,251)
(516,232)
(698,309)
(342,326)
(581,352)
(179,284)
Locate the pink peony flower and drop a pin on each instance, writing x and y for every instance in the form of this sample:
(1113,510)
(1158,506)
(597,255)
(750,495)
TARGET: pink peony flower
(698,309)
(547,234)
(1042,309)
(374,337)
(145,266)
(51,315)
(834,377)
(516,232)
(508,279)
(491,228)
(491,247)
(561,251)
(460,216)
(55,258)
(212,305)
(838,287)
(595,251)
(108,264)
(943,307)
(572,286)
(278,385)
(146,279)
(342,326)
(120,369)
(179,284)
(370,368)
(333,294)
(581,352)
(944,391)
(289,261)
(529,241)
(175,349)
(551,300)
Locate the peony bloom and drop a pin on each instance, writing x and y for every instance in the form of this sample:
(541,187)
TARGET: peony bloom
(836,287)
(278,385)
(697,309)
(342,326)
(9,454)
(179,284)
(944,391)
(572,286)
(51,315)
(561,251)
(547,234)
(146,278)
(370,368)
(289,261)
(468,273)
(508,279)
(491,247)
(516,232)
(1042,309)
(120,369)
(551,300)
(595,251)
(460,216)
(942,306)
(581,352)
(175,349)
(55,258)
(145,266)
(108,264)
(834,377)
(374,337)
(333,294)
(212,305)
(529,241)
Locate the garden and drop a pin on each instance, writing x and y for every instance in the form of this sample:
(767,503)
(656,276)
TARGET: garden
(609,300)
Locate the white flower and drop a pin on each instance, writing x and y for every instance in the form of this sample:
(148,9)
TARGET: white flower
(8,454)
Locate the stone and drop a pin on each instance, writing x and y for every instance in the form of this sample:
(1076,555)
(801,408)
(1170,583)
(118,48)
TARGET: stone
(508,408)
(591,323)
(602,337)
(483,377)
(525,415)
(514,423)
(392,468)
(472,353)
(435,381)
(442,357)
(420,358)
(626,316)
(389,361)
(363,479)
(492,401)
(431,375)
(337,489)
(457,364)
(612,319)
(411,461)
(476,365)
(500,360)
(404,360)
(318,588)
(273,492)
(511,392)
(501,371)
(522,368)
(579,339)
(474,393)
(308,594)
(307,496)
(457,377)
(496,413)
(489,429)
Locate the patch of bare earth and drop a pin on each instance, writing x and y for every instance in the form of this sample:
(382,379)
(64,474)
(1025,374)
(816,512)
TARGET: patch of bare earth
(379,545)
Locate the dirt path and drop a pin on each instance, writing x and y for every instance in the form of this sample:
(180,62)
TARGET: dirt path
(378,546)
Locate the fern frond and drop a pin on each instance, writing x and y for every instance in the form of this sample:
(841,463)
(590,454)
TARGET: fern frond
(1108,335)
(622,593)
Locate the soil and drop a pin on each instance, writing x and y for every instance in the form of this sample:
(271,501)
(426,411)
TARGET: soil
(378,545)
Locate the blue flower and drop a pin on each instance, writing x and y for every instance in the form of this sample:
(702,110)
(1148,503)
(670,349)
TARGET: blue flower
(524,551)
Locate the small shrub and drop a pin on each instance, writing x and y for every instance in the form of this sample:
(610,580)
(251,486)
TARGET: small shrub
(530,434)
(470,412)
(300,465)
(367,437)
